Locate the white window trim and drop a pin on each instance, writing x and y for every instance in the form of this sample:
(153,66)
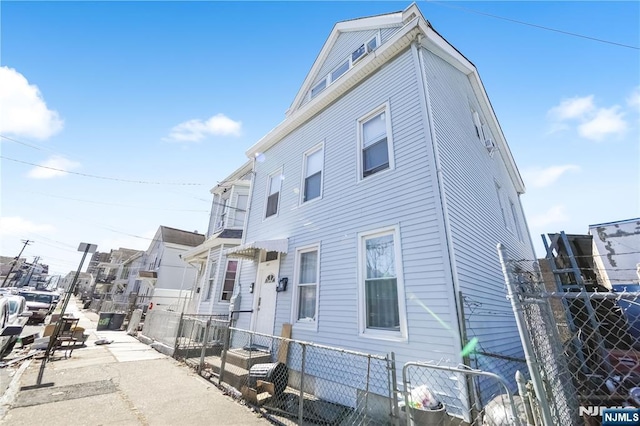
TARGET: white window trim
(516,223)
(394,336)
(224,277)
(266,194)
(210,281)
(387,109)
(306,325)
(313,150)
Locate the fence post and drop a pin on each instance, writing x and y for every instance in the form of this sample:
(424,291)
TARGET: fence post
(225,347)
(393,382)
(204,346)
(301,402)
(176,345)
(525,338)
(526,398)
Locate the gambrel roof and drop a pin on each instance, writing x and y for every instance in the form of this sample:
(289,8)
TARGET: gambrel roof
(404,28)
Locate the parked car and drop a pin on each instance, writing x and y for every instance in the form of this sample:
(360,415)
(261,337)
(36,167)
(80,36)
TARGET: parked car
(17,318)
(40,303)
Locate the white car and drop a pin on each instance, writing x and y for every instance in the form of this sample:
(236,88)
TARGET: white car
(13,317)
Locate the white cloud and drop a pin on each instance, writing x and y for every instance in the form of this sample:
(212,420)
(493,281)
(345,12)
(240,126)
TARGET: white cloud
(606,122)
(24,111)
(16,225)
(572,108)
(633,100)
(555,214)
(196,130)
(539,177)
(57,164)
(593,123)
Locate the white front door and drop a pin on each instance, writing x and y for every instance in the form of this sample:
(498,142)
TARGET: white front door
(264,307)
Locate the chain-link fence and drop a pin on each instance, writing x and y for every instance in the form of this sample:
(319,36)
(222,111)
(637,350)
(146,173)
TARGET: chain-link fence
(199,336)
(299,382)
(505,362)
(437,394)
(584,343)
(162,326)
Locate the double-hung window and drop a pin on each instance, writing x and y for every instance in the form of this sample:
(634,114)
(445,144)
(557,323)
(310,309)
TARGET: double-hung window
(307,284)
(381,286)
(211,281)
(375,142)
(241,210)
(273,193)
(313,162)
(229,280)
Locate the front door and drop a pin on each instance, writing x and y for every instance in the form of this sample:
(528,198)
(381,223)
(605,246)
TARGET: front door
(265,296)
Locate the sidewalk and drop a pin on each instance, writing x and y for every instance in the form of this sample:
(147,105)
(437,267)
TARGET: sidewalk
(124,383)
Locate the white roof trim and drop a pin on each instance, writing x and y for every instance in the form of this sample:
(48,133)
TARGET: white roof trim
(361,24)
(248,250)
(433,41)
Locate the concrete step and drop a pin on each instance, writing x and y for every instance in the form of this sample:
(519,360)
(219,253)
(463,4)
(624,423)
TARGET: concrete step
(246,359)
(233,375)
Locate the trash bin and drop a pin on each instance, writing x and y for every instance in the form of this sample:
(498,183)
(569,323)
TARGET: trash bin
(276,373)
(116,321)
(104,321)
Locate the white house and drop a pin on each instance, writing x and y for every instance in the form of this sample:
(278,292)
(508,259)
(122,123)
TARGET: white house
(164,276)
(377,204)
(217,275)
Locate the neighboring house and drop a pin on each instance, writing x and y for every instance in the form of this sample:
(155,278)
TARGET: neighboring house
(112,270)
(217,276)
(616,252)
(399,184)
(164,276)
(84,284)
(127,266)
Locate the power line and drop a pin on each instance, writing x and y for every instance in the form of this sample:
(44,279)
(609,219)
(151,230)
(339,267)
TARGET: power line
(101,177)
(117,205)
(534,25)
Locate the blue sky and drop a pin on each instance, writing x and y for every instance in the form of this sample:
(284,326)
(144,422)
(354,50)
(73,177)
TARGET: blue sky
(176,92)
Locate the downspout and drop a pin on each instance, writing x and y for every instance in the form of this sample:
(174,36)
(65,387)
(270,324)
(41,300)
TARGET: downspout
(424,92)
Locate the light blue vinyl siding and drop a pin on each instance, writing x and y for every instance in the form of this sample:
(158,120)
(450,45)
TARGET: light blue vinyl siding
(405,197)
(345,44)
(476,223)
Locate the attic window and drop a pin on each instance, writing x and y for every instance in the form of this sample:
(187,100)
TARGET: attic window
(358,53)
(372,44)
(342,68)
(318,88)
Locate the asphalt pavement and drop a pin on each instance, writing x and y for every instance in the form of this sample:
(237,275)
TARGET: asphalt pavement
(124,382)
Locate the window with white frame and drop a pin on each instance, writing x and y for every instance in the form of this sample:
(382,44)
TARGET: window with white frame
(375,143)
(211,280)
(379,280)
(318,88)
(224,209)
(313,162)
(229,280)
(501,205)
(307,284)
(273,194)
(516,222)
(241,210)
(341,69)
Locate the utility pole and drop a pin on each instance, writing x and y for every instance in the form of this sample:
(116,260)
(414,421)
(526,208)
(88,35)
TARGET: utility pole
(30,274)
(15,260)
